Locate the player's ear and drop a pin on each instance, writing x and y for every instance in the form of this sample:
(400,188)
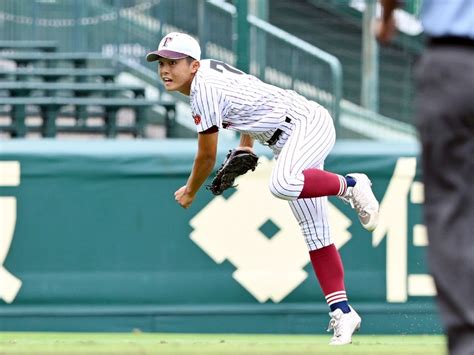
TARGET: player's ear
(195,66)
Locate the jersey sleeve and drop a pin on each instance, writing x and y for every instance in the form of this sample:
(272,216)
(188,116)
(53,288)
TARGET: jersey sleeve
(205,108)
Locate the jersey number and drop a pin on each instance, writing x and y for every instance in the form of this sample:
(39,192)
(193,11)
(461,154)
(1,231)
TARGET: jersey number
(218,65)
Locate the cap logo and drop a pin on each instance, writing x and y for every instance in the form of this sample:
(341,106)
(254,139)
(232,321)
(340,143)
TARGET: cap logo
(197,119)
(167,40)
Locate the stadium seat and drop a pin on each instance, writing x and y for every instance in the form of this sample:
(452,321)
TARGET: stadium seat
(50,108)
(45,46)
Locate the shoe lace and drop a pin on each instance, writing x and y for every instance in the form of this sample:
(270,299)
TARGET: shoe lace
(347,197)
(358,207)
(355,202)
(335,325)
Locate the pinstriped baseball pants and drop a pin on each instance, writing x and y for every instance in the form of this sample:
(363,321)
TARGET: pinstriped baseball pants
(306,146)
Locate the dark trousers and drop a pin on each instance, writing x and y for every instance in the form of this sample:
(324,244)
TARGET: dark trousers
(445,114)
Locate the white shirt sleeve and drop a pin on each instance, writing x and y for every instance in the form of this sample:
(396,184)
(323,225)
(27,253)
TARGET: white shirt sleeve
(205,107)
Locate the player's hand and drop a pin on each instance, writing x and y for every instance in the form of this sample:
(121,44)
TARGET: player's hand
(183,198)
(385,30)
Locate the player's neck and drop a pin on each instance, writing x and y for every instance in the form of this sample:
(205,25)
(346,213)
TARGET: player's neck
(186,91)
(186,88)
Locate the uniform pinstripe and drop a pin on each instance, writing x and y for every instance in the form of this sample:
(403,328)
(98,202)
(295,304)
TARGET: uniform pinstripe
(224,97)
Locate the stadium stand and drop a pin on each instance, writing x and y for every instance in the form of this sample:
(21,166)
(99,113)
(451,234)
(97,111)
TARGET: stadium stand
(126,30)
(55,74)
(77,60)
(45,46)
(44,90)
(50,110)
(18,88)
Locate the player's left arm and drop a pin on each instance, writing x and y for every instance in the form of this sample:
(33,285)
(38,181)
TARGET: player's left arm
(246,142)
(203,165)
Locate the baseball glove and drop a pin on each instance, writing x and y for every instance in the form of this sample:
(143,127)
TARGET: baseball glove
(237,163)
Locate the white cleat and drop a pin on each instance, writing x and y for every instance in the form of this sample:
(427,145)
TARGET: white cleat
(344,325)
(362,199)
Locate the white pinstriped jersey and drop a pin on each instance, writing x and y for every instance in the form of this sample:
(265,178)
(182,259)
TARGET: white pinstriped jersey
(225,97)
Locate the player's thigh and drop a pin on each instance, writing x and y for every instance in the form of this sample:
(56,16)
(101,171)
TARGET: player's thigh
(308,146)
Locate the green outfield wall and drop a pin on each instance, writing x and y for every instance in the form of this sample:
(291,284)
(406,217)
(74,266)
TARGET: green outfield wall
(91,239)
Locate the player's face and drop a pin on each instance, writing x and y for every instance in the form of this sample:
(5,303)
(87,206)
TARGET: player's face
(177,74)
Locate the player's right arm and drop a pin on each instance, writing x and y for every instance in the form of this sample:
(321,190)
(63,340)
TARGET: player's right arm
(203,165)
(386,28)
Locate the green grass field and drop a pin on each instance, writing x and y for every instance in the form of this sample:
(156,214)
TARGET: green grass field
(158,343)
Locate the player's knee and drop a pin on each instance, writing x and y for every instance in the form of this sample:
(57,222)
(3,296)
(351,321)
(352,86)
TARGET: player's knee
(316,237)
(282,191)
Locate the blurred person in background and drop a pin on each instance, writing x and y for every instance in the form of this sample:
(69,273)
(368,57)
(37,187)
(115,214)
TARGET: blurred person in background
(445,119)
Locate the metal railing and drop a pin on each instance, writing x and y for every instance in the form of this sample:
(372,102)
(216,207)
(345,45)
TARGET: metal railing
(287,61)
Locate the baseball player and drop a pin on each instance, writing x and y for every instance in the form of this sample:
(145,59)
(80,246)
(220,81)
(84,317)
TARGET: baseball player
(299,132)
